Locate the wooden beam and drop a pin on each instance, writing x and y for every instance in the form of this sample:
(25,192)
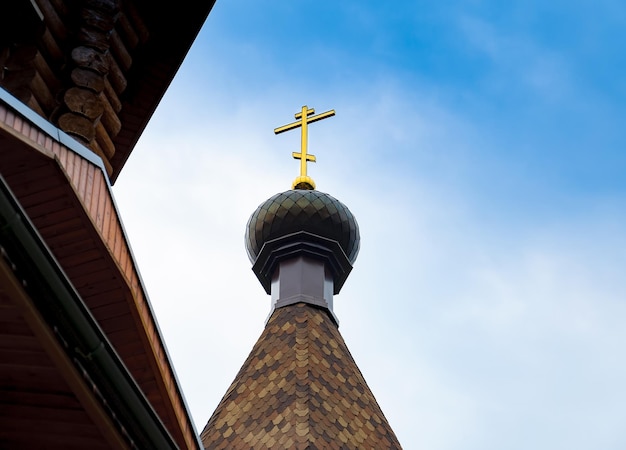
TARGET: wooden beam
(88,78)
(137,22)
(95,147)
(120,52)
(93,37)
(61,7)
(24,94)
(78,125)
(42,93)
(20,57)
(104,141)
(112,97)
(52,19)
(51,46)
(18,78)
(46,72)
(84,102)
(127,31)
(35,106)
(115,75)
(98,17)
(90,58)
(109,118)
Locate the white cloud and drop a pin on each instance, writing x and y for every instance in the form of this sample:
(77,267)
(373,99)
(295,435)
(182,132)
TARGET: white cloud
(468,326)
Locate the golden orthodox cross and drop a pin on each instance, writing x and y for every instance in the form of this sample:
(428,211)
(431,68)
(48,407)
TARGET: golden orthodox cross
(304,118)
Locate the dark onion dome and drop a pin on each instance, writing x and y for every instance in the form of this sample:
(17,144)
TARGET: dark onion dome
(302,210)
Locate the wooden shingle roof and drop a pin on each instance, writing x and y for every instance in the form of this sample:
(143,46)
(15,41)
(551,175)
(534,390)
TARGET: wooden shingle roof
(299,388)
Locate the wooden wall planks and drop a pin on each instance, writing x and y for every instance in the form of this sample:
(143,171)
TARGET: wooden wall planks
(78,255)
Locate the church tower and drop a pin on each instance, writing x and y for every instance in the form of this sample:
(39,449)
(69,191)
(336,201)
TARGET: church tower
(300,388)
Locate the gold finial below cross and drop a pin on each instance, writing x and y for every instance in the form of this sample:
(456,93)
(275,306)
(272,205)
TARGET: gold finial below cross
(304,118)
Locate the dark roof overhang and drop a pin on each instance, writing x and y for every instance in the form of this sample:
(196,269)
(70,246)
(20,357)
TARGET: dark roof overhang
(173,29)
(61,307)
(162,32)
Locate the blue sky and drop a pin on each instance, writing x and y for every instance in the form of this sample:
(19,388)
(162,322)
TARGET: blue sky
(479,144)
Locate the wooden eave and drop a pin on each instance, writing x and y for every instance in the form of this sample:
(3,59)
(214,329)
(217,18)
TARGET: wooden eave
(45,401)
(97,69)
(173,29)
(65,193)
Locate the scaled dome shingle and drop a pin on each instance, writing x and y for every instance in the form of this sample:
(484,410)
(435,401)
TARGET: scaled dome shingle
(302,210)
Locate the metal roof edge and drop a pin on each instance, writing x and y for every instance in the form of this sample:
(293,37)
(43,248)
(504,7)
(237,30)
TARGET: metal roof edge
(51,130)
(91,347)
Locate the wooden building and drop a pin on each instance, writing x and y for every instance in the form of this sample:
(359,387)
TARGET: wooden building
(82,362)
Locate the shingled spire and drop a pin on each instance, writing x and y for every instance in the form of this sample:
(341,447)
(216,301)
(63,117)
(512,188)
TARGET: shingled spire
(300,388)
